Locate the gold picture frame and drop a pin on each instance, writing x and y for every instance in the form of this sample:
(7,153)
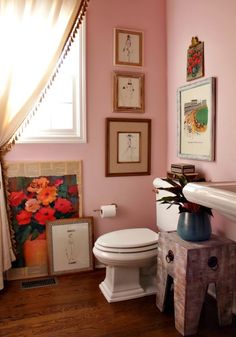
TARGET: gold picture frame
(128,146)
(70,243)
(196,120)
(128,47)
(128,92)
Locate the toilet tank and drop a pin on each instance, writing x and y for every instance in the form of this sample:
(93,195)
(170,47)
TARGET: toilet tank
(166,218)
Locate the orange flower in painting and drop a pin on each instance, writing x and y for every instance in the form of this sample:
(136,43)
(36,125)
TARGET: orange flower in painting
(15,198)
(38,184)
(47,195)
(23,217)
(32,205)
(63,205)
(45,214)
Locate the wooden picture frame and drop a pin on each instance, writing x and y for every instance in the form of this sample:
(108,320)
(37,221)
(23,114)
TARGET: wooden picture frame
(196,120)
(128,146)
(70,243)
(128,47)
(128,92)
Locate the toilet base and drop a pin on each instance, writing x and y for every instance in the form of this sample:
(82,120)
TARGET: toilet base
(125,283)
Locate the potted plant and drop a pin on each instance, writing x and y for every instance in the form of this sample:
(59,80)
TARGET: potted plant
(194,221)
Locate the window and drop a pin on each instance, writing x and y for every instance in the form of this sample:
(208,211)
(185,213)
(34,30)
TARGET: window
(61,115)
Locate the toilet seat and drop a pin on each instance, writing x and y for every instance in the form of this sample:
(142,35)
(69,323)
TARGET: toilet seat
(125,241)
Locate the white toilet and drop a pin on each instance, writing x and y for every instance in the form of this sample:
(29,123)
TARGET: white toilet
(130,255)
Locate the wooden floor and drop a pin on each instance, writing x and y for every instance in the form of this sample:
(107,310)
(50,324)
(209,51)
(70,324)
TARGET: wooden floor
(75,307)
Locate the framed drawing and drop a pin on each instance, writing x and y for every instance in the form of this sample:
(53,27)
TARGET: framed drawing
(195,59)
(39,192)
(196,120)
(70,243)
(128,146)
(128,92)
(128,47)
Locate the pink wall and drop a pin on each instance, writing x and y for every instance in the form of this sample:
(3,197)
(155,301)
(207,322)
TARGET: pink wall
(134,196)
(214,23)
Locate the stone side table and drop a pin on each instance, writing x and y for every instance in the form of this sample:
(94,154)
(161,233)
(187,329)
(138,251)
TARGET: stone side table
(193,265)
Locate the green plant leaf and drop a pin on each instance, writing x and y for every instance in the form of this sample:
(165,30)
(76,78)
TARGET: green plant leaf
(25,234)
(35,234)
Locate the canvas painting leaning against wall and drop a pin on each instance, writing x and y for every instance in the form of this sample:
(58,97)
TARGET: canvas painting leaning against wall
(38,193)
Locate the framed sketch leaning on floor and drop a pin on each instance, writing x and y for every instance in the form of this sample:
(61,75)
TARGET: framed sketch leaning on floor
(70,245)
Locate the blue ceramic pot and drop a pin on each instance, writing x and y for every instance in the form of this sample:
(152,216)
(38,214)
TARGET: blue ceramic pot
(194,226)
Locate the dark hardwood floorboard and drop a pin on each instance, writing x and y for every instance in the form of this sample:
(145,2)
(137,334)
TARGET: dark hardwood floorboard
(75,307)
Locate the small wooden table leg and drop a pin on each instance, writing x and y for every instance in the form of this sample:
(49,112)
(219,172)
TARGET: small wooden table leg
(162,278)
(224,297)
(188,301)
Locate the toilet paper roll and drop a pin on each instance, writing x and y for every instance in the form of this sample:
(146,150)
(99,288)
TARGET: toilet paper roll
(108,211)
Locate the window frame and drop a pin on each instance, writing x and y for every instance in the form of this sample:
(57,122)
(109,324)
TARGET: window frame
(79,103)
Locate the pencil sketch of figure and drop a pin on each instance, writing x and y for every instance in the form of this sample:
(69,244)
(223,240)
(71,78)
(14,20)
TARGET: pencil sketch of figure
(128,95)
(70,249)
(129,147)
(127,49)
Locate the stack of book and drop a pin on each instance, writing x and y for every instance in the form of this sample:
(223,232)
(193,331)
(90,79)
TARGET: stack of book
(181,168)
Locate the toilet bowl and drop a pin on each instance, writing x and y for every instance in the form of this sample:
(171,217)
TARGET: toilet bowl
(130,259)
(130,255)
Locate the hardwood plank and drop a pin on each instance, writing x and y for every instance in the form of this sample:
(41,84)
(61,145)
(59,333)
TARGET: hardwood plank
(75,307)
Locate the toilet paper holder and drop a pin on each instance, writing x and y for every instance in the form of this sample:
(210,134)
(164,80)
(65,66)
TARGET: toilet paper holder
(99,210)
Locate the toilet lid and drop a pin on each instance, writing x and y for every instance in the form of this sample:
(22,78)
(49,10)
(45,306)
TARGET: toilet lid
(128,240)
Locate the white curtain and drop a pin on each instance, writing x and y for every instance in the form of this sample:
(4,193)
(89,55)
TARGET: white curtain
(33,36)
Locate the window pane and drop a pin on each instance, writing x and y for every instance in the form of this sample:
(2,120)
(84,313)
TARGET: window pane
(62,116)
(62,111)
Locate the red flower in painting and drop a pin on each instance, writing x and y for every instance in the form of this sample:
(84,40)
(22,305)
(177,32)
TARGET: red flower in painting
(15,198)
(23,217)
(45,214)
(63,205)
(73,190)
(58,182)
(194,61)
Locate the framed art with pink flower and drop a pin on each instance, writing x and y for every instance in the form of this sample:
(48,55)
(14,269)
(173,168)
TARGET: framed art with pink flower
(38,193)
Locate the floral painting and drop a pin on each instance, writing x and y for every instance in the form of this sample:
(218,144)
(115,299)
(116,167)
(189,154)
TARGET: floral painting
(34,201)
(195,59)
